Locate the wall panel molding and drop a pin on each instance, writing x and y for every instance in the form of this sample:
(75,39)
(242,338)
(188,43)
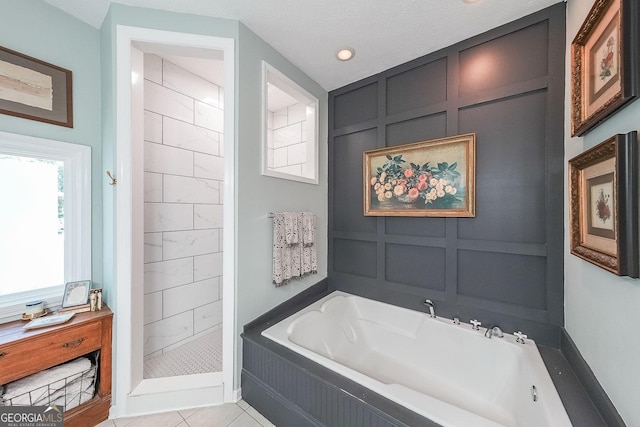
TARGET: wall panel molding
(503,266)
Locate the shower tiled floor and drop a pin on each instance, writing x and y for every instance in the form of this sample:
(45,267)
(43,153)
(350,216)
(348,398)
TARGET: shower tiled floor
(228,415)
(201,355)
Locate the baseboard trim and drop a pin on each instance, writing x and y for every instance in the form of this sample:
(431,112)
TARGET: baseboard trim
(585,375)
(236,395)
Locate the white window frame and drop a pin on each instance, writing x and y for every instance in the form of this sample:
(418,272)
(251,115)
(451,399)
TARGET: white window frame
(270,75)
(77,216)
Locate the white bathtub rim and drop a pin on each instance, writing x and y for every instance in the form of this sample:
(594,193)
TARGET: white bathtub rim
(411,399)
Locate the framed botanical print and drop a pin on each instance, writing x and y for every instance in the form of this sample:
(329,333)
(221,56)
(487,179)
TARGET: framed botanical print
(604,205)
(604,63)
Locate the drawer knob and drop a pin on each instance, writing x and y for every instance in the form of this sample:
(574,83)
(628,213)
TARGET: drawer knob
(73,344)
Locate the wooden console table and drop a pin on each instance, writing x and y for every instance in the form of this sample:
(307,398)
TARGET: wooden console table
(25,352)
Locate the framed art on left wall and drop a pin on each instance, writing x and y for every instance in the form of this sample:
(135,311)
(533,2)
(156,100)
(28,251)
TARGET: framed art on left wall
(34,89)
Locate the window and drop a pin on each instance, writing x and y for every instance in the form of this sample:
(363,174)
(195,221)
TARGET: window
(290,141)
(45,220)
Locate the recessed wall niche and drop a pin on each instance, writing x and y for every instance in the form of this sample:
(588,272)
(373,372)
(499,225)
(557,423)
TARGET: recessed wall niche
(290,129)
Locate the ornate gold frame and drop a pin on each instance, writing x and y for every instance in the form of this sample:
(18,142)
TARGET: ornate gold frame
(588,111)
(615,250)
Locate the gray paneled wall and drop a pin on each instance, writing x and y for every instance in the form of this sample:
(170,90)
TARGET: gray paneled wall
(504,266)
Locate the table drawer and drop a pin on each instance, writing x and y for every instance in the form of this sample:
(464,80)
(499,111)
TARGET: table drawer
(47,350)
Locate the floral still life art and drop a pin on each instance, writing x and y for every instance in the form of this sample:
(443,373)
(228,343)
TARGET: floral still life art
(431,178)
(602,207)
(437,186)
(607,65)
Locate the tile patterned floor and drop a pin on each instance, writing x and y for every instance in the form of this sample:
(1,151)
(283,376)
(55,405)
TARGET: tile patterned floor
(201,355)
(228,415)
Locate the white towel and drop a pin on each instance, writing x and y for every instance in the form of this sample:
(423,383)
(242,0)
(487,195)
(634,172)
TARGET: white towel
(69,384)
(76,393)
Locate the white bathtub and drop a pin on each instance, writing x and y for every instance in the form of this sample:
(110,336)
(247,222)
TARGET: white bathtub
(448,373)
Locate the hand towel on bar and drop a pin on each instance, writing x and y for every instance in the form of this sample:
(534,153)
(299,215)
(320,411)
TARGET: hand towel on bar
(286,257)
(292,227)
(308,228)
(309,253)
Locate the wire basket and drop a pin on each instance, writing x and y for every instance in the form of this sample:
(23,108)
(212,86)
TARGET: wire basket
(62,390)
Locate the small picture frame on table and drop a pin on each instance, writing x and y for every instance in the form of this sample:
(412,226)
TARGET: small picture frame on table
(603,208)
(604,63)
(76,293)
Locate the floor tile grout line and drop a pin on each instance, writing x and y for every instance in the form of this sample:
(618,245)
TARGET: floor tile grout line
(183,417)
(230,422)
(253,418)
(257,420)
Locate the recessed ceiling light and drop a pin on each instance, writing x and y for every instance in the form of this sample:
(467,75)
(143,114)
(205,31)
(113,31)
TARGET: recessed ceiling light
(346,54)
(470,1)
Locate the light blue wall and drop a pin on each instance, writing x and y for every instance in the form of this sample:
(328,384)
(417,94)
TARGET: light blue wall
(36,29)
(601,309)
(258,195)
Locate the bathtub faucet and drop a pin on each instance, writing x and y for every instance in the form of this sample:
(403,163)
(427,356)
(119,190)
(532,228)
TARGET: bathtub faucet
(432,308)
(494,331)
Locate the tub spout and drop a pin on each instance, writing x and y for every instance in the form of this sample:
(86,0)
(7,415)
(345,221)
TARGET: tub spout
(494,331)
(432,308)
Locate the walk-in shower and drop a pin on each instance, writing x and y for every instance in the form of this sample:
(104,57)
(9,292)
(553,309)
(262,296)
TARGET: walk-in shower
(183,210)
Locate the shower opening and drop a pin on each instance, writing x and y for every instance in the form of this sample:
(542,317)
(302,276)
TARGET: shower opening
(174,160)
(183,160)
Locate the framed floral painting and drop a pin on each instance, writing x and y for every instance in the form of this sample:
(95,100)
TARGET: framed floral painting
(604,63)
(603,205)
(430,178)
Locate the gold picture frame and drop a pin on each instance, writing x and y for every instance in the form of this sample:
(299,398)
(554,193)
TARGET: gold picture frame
(603,210)
(433,178)
(604,63)
(34,89)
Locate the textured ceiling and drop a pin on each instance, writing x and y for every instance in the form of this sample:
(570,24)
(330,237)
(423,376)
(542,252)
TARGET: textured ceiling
(384,33)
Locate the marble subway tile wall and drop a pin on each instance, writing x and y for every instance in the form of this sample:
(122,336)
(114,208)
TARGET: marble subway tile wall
(287,139)
(183,174)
